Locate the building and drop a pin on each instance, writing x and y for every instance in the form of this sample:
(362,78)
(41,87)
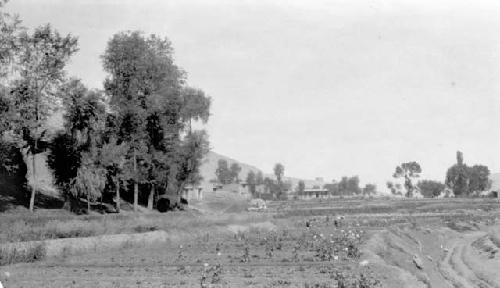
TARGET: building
(192,192)
(313,193)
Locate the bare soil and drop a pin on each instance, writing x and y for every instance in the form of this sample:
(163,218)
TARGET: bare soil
(417,244)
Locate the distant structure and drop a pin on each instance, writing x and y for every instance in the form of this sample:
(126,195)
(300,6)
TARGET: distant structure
(313,193)
(192,192)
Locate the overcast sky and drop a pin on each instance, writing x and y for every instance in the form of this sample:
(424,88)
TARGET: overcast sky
(328,88)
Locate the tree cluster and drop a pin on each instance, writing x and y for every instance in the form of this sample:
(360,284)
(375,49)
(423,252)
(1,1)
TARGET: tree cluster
(134,139)
(467,180)
(227,174)
(347,186)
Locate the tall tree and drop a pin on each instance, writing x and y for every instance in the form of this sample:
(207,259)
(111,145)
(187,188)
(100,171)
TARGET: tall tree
(41,61)
(193,148)
(251,181)
(301,187)
(75,152)
(259,178)
(222,172)
(279,172)
(143,79)
(234,171)
(408,171)
(457,177)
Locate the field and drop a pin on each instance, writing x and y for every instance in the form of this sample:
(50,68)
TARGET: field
(329,243)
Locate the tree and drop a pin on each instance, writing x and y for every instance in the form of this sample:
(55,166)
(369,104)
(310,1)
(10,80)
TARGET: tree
(279,172)
(90,180)
(395,188)
(222,172)
(353,185)
(196,106)
(251,181)
(143,80)
(333,188)
(301,187)
(75,153)
(457,177)
(193,149)
(10,28)
(348,186)
(369,189)
(478,178)
(259,178)
(431,188)
(408,171)
(41,61)
(234,171)
(113,160)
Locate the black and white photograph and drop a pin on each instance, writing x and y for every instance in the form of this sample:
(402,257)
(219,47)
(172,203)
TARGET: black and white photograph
(249,143)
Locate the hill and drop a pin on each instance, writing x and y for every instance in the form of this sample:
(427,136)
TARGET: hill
(495,181)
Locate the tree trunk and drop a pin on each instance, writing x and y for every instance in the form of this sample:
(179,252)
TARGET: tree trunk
(118,196)
(136,185)
(33,186)
(88,203)
(151,197)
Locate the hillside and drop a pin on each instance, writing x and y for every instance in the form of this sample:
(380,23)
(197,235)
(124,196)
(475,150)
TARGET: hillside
(495,181)
(209,166)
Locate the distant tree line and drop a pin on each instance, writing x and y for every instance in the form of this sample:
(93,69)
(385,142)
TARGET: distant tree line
(350,186)
(134,139)
(461,180)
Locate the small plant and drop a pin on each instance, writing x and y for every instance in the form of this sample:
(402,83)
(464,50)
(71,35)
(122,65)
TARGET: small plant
(367,282)
(204,276)
(295,252)
(180,254)
(246,254)
(31,254)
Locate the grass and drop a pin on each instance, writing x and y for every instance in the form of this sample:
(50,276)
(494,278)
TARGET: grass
(40,227)
(31,254)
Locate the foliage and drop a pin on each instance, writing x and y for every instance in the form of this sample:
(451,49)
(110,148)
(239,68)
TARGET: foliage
(10,28)
(259,178)
(196,105)
(251,181)
(395,188)
(40,61)
(478,178)
(279,171)
(430,188)
(457,177)
(349,186)
(301,187)
(222,172)
(234,171)
(369,189)
(408,171)
(465,180)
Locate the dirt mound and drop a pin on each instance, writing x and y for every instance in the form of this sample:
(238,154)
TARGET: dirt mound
(57,247)
(263,226)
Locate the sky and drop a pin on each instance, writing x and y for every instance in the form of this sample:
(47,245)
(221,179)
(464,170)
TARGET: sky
(327,88)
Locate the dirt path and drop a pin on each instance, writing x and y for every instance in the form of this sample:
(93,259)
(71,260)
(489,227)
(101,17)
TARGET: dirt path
(453,267)
(448,258)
